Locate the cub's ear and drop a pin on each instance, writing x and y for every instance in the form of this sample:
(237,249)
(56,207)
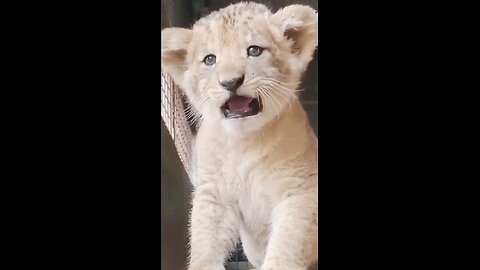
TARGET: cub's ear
(299,24)
(175,42)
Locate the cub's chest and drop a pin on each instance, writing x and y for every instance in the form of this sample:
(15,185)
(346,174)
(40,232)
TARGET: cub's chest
(254,210)
(243,174)
(233,162)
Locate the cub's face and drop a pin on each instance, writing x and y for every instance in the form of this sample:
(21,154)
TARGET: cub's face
(241,66)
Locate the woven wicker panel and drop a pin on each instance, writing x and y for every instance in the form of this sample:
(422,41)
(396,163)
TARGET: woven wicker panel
(173,114)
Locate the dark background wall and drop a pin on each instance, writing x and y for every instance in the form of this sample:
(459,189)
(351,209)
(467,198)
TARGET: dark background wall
(175,185)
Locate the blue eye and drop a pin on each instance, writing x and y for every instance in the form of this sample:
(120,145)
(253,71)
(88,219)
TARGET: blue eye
(254,51)
(209,59)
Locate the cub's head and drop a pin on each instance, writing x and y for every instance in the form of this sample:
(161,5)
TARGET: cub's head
(240,66)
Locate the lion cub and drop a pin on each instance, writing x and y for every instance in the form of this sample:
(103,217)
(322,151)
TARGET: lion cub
(255,169)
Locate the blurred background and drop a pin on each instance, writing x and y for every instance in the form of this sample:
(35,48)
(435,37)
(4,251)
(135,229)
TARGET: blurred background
(175,185)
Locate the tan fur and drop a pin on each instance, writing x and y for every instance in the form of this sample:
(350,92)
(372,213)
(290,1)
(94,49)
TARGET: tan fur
(255,178)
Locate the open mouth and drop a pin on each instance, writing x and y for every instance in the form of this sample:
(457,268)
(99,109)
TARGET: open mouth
(240,107)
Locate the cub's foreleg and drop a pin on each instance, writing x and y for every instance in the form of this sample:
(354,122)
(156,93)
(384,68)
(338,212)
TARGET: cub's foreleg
(213,229)
(293,242)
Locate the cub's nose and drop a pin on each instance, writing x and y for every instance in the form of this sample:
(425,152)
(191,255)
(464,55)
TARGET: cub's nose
(233,84)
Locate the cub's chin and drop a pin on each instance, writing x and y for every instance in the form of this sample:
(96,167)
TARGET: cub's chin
(243,125)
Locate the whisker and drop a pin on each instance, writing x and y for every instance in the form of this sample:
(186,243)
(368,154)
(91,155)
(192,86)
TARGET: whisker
(283,97)
(286,98)
(272,99)
(268,99)
(194,113)
(280,82)
(282,87)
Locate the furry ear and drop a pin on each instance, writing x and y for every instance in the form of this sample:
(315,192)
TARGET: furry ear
(299,24)
(174,46)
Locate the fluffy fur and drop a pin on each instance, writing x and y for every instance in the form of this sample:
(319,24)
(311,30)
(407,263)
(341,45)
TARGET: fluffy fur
(256,178)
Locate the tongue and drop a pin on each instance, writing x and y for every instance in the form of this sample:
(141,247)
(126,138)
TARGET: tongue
(239,104)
